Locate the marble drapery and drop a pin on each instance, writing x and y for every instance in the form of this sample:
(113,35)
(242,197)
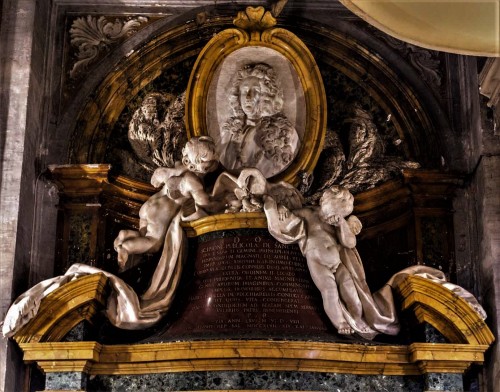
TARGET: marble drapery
(125,309)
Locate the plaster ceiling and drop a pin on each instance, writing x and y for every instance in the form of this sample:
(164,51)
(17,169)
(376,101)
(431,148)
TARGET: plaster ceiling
(469,27)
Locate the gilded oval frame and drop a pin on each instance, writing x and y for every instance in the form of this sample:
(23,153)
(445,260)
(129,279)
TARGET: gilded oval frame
(257,33)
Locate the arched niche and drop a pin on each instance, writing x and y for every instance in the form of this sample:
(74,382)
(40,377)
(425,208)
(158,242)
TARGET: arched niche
(392,83)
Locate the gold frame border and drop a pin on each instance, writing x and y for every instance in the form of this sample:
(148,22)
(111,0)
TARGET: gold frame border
(96,359)
(285,43)
(229,221)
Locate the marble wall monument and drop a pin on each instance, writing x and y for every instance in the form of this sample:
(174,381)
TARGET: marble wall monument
(237,267)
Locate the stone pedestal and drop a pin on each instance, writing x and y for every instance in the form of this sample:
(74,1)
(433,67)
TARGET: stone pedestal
(448,382)
(247,284)
(66,381)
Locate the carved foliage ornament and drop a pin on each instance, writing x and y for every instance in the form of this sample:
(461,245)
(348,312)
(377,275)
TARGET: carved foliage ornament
(157,134)
(92,36)
(366,164)
(424,60)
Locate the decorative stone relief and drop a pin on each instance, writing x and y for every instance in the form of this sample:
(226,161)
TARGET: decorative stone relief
(424,60)
(92,36)
(258,132)
(157,132)
(133,154)
(367,163)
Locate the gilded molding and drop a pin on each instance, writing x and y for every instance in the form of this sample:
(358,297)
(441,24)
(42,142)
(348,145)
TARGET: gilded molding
(240,220)
(79,180)
(129,189)
(390,199)
(63,309)
(445,311)
(95,359)
(437,359)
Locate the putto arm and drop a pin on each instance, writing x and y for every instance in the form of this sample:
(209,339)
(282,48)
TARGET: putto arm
(283,224)
(345,235)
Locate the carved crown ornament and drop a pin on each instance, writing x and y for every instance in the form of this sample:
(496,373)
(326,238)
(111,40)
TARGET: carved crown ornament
(254,19)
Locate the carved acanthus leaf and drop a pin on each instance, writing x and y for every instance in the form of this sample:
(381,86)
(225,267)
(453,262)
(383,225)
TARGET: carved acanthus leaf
(425,61)
(93,36)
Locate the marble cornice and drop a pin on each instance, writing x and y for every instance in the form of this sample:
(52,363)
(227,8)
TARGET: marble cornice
(97,359)
(316,4)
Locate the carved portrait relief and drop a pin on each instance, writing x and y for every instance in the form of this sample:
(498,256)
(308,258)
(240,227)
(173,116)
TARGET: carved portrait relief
(256,111)
(257,91)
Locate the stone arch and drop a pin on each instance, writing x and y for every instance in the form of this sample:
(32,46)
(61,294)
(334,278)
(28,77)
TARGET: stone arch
(416,114)
(64,308)
(451,315)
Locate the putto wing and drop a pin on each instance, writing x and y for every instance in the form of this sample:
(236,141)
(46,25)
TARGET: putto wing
(286,195)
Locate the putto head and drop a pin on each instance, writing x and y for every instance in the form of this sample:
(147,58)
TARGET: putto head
(336,200)
(199,155)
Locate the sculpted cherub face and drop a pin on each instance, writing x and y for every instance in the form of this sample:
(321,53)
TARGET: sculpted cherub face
(199,155)
(335,203)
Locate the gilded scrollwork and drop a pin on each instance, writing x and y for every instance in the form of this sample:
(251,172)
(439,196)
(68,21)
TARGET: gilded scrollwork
(92,36)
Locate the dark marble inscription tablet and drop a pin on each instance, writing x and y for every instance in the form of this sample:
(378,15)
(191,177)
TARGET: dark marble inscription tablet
(250,283)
